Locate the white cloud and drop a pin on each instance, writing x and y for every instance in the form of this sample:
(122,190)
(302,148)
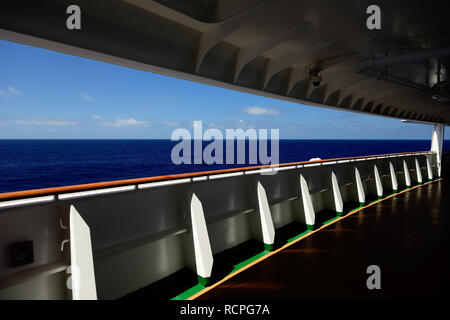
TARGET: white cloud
(354,127)
(216,126)
(119,122)
(43,122)
(256,111)
(232,124)
(9,90)
(245,125)
(86,97)
(13,90)
(124,123)
(172,124)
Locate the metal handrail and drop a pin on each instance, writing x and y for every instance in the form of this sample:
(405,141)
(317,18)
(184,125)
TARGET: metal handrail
(130,182)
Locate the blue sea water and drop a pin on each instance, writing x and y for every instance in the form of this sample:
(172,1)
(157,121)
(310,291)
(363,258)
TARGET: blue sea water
(34,164)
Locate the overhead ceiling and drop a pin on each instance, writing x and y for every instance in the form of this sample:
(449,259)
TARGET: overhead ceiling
(304,51)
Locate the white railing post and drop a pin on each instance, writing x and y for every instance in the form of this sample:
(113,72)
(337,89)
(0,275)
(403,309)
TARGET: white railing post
(81,260)
(437,141)
(267,228)
(406,171)
(337,195)
(310,216)
(418,171)
(202,247)
(393,177)
(429,169)
(378,184)
(360,188)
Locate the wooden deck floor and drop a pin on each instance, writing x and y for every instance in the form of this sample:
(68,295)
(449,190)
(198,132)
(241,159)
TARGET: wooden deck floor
(407,236)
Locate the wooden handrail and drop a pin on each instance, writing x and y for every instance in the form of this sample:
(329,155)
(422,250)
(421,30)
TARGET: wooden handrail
(119,183)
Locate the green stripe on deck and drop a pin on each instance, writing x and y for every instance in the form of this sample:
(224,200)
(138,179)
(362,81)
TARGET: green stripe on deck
(329,220)
(199,287)
(189,292)
(298,236)
(248,261)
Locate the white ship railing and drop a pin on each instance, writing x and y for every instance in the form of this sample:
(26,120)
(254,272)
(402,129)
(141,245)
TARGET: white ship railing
(142,230)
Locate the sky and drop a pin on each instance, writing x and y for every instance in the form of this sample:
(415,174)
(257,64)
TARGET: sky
(51,95)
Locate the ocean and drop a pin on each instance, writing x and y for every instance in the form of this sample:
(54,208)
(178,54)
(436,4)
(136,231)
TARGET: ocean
(34,164)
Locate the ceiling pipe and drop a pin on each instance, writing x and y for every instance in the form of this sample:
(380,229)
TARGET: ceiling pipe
(402,58)
(403,82)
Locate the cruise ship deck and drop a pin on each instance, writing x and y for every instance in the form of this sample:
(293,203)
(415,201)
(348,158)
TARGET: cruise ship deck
(406,235)
(299,230)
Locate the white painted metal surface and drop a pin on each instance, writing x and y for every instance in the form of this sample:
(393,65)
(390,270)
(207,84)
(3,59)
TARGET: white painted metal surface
(406,172)
(437,142)
(429,168)
(418,171)
(82,263)
(202,247)
(162,183)
(359,187)
(310,216)
(336,193)
(202,178)
(21,202)
(267,228)
(83,194)
(393,177)
(378,181)
(225,175)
